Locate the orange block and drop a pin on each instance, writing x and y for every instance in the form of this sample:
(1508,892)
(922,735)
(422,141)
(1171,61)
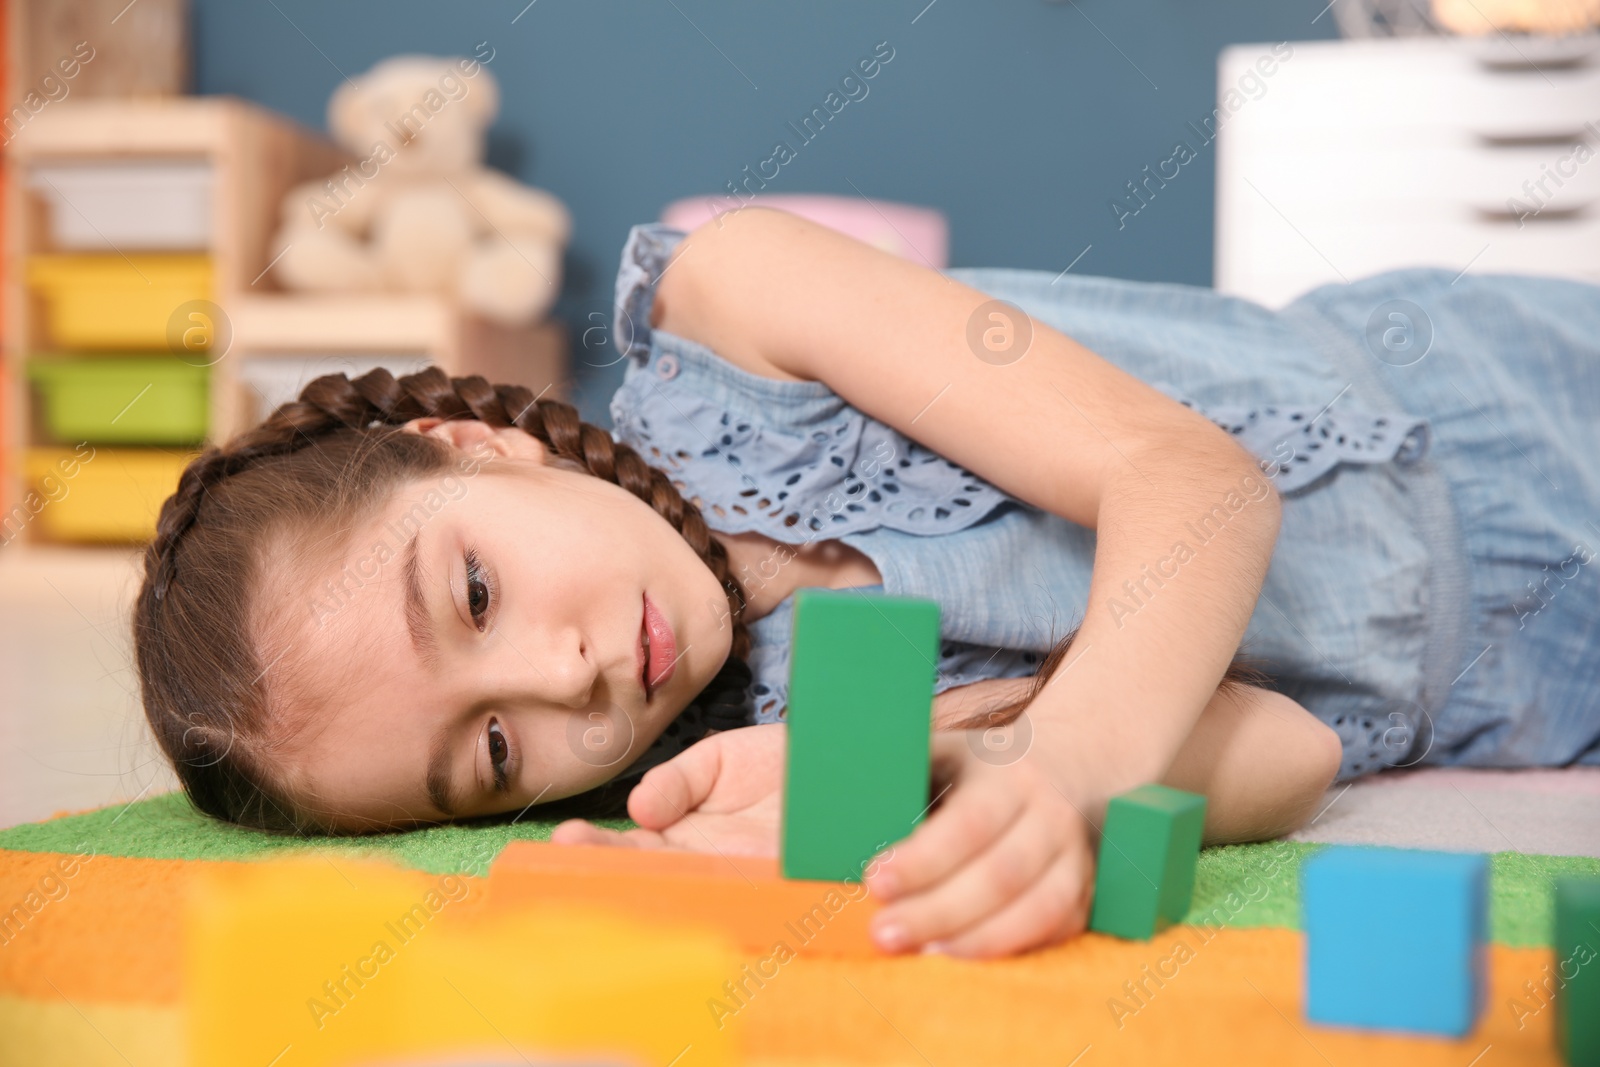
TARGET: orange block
(743,897)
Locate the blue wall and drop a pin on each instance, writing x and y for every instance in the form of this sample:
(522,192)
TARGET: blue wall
(1020,119)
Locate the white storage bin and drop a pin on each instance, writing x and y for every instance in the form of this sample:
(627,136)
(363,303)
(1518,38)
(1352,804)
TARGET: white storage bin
(127,205)
(271,380)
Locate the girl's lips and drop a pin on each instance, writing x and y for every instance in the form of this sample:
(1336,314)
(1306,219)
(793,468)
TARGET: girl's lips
(661,647)
(641,651)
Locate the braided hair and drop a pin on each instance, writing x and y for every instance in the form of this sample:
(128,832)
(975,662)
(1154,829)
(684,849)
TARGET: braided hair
(318,462)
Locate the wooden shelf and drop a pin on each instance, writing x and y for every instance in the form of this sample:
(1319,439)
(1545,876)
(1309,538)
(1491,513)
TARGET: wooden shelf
(274,326)
(187,125)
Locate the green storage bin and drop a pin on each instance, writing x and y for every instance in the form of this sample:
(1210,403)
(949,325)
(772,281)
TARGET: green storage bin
(123,399)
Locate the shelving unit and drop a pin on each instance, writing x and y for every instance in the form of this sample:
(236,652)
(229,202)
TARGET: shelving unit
(253,157)
(264,342)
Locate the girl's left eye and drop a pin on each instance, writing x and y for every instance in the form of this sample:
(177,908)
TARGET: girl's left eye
(499,752)
(480,593)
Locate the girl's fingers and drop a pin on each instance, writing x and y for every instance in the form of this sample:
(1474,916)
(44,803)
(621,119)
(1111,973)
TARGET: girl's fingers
(966,823)
(1009,867)
(669,792)
(1053,908)
(579,832)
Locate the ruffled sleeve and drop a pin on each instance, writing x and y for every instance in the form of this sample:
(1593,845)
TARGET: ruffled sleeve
(644,256)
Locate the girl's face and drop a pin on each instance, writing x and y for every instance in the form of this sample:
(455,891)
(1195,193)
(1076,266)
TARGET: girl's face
(478,645)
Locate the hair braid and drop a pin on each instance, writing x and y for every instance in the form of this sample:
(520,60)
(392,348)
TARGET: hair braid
(190,647)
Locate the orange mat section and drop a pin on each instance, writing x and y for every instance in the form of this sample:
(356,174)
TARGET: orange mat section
(1192,995)
(1229,1002)
(293,961)
(740,896)
(41,1033)
(111,932)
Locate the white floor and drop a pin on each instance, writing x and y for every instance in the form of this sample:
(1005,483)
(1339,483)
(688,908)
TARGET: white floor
(71,733)
(1553,812)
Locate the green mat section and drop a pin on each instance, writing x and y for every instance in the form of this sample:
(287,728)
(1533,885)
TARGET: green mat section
(1235,885)
(1258,885)
(167,827)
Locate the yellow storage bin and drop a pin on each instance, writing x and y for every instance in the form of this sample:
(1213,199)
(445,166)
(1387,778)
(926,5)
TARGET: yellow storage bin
(100,494)
(114,301)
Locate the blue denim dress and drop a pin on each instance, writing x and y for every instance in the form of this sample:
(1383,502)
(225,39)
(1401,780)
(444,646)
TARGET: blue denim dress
(1432,437)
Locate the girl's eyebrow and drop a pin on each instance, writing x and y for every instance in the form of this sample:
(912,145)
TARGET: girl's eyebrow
(420,622)
(418,619)
(437,782)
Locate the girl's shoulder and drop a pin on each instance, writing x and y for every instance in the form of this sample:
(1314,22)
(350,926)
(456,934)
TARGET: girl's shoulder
(664,356)
(788,458)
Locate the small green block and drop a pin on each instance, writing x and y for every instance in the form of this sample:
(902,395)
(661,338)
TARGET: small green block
(861,675)
(1577,952)
(1145,872)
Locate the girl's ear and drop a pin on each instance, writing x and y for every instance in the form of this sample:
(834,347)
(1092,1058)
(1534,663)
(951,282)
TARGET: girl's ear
(470,435)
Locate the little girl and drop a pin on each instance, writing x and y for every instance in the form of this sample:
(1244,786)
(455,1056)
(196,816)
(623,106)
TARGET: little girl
(400,602)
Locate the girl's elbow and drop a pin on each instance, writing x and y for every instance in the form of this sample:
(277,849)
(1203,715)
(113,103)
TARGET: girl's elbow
(1305,764)
(1330,755)
(1323,755)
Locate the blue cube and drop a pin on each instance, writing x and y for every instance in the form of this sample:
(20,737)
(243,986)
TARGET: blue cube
(1395,938)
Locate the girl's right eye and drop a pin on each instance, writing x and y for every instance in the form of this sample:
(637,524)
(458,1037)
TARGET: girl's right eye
(480,589)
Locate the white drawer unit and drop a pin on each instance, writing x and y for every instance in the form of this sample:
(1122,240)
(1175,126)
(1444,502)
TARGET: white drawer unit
(108,205)
(1362,156)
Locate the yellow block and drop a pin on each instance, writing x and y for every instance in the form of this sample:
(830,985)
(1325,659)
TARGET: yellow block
(299,963)
(97,494)
(133,301)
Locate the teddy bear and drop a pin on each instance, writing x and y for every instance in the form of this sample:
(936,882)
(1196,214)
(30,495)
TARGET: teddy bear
(1474,17)
(419,212)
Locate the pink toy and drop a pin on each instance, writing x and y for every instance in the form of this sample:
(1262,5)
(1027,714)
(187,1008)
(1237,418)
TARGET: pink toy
(919,234)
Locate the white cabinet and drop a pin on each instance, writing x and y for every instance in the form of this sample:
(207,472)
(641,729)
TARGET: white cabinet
(1364,156)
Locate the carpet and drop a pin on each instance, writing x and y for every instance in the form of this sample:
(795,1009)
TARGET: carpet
(93,974)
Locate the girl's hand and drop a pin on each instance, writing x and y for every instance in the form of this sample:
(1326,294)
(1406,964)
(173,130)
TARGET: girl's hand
(1003,864)
(722,794)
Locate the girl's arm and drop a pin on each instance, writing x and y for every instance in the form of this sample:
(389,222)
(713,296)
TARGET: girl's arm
(1005,861)
(1059,427)
(1261,760)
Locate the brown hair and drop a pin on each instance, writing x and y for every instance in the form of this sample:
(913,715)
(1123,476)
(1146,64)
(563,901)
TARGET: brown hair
(315,464)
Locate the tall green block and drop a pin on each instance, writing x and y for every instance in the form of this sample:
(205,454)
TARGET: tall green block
(1145,872)
(861,674)
(1577,951)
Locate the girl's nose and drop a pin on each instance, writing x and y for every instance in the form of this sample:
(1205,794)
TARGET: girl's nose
(567,675)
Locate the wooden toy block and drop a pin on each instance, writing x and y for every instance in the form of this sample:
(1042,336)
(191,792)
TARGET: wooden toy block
(1577,952)
(1144,876)
(860,704)
(1395,938)
(328,962)
(741,897)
